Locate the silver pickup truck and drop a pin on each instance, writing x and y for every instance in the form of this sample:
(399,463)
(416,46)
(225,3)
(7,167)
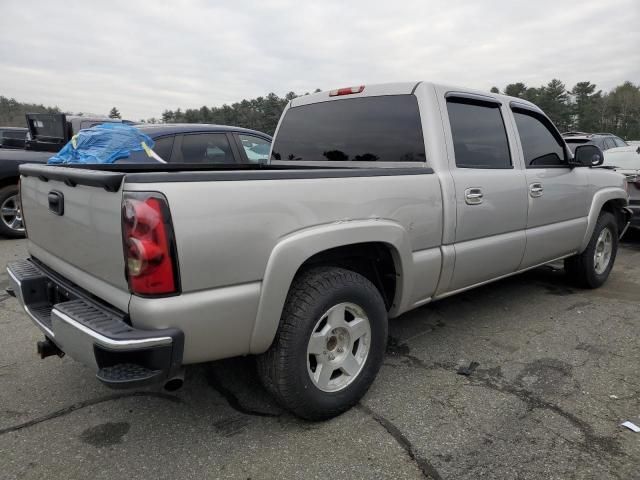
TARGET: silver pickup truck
(377,200)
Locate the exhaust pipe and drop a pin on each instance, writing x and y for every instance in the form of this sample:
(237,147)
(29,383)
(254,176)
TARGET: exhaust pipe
(175,382)
(47,348)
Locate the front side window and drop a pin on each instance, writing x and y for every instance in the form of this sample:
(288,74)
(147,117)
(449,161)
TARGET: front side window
(539,144)
(479,136)
(367,129)
(257,149)
(206,148)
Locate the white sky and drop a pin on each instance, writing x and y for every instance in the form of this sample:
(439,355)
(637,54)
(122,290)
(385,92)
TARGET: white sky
(146,56)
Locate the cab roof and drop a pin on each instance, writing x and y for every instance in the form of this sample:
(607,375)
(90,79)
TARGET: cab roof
(159,129)
(401,88)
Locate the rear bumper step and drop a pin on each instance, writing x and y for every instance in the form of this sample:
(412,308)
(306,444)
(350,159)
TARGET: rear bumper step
(99,337)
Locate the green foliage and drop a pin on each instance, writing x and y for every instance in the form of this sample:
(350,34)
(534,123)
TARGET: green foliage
(260,113)
(114,113)
(12,112)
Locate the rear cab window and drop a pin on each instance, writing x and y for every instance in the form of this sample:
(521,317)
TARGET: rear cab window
(366,129)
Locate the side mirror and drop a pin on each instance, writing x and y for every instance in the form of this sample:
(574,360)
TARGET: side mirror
(587,156)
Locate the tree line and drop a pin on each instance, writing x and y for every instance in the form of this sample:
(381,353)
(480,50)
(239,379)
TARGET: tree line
(584,107)
(12,112)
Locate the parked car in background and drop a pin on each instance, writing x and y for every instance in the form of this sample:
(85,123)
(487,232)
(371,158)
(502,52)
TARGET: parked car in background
(12,137)
(203,143)
(174,143)
(376,200)
(604,141)
(626,160)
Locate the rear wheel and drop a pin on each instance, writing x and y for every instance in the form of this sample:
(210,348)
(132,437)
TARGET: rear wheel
(329,346)
(591,268)
(10,212)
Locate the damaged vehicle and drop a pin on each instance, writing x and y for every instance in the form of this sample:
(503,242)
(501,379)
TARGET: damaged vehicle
(376,200)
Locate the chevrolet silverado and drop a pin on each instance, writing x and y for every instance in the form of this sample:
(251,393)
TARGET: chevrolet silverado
(377,200)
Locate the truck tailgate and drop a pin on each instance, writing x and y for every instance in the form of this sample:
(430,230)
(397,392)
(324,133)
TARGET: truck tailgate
(73,220)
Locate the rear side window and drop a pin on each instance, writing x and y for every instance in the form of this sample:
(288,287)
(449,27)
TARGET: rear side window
(206,148)
(479,136)
(369,129)
(16,134)
(541,148)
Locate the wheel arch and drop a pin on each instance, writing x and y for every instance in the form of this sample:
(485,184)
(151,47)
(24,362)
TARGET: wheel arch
(609,199)
(339,244)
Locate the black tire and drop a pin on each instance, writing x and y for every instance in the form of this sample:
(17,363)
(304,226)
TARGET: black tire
(581,268)
(6,230)
(284,368)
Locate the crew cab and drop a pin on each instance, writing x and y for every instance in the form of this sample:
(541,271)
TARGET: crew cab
(174,143)
(377,199)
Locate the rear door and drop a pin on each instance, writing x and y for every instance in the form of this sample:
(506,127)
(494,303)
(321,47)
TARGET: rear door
(557,194)
(490,189)
(215,148)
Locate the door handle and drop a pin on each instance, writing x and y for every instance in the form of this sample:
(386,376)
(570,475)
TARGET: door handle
(473,196)
(536,190)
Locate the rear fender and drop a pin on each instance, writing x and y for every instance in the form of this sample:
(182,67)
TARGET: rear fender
(294,249)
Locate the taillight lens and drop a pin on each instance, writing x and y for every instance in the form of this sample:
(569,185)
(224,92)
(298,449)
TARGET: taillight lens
(149,244)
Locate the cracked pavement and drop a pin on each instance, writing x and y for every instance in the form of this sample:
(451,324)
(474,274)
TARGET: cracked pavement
(557,373)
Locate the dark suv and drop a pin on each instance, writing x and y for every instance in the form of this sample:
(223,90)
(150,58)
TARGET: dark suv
(604,141)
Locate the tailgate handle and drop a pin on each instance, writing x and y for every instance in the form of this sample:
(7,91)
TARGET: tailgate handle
(56,202)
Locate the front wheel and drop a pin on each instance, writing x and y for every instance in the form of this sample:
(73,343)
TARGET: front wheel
(329,346)
(591,268)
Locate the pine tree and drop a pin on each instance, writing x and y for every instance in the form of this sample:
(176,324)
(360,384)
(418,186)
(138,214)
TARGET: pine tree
(586,107)
(114,113)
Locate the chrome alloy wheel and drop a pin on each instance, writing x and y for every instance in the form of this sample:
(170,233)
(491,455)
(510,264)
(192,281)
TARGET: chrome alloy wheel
(338,347)
(603,250)
(11,214)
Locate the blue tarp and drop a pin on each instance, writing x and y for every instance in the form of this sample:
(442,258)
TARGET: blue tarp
(103,143)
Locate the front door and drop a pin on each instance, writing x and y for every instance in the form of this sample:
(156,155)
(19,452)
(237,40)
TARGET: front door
(557,194)
(491,201)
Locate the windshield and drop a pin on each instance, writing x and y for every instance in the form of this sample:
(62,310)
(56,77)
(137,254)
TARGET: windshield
(369,129)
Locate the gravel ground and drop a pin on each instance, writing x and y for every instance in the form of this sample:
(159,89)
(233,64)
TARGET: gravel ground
(557,373)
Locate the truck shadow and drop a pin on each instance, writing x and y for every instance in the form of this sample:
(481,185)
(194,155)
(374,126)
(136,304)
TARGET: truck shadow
(237,381)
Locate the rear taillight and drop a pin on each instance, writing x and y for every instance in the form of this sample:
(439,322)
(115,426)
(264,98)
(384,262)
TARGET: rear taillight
(346,91)
(149,244)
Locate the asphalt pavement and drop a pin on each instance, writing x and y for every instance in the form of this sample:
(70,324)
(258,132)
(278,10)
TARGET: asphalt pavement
(551,373)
